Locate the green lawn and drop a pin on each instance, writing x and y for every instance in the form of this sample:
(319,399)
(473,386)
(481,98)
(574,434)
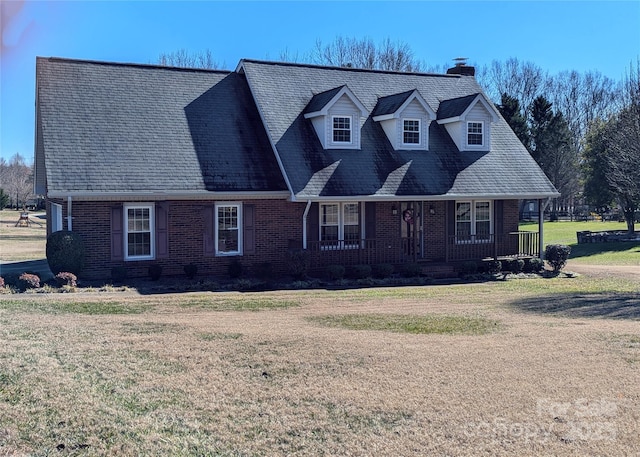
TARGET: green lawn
(564,232)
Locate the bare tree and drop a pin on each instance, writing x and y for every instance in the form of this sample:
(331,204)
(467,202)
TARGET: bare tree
(363,53)
(183,58)
(523,80)
(16,179)
(582,98)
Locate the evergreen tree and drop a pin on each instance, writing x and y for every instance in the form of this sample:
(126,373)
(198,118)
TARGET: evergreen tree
(511,111)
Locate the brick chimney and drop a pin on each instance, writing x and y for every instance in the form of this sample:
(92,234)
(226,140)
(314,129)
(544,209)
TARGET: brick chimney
(461,68)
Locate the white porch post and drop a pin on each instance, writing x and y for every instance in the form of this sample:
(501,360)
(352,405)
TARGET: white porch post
(541,228)
(304,225)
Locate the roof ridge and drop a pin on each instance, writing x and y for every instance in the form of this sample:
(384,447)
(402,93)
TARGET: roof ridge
(352,69)
(131,64)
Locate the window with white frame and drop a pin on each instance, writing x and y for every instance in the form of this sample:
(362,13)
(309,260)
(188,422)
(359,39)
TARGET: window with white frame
(341,129)
(228,224)
(473,221)
(411,131)
(340,224)
(139,229)
(475,133)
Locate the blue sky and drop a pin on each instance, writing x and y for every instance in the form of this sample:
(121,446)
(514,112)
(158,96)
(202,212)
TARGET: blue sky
(571,35)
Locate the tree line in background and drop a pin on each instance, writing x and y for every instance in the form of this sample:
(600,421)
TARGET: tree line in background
(583,129)
(16,182)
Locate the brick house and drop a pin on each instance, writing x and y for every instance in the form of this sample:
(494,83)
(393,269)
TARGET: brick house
(171,166)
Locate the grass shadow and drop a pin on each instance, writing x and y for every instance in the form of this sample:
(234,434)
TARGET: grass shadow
(589,249)
(597,305)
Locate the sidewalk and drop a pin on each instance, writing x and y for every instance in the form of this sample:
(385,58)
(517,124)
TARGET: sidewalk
(40,266)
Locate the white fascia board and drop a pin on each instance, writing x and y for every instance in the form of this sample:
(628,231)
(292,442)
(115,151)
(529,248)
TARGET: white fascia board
(395,198)
(352,97)
(416,96)
(385,117)
(488,106)
(314,114)
(160,196)
(344,91)
(449,120)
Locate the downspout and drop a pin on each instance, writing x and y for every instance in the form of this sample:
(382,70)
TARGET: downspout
(69,215)
(304,224)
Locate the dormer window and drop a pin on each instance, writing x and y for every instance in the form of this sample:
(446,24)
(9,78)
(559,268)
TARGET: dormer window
(475,136)
(337,116)
(411,132)
(405,119)
(341,129)
(468,121)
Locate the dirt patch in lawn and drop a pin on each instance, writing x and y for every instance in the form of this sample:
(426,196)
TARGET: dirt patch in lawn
(605,271)
(178,379)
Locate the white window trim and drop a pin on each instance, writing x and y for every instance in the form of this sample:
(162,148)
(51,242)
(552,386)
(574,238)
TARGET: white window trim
(340,243)
(240,230)
(341,143)
(417,145)
(152,230)
(473,221)
(483,134)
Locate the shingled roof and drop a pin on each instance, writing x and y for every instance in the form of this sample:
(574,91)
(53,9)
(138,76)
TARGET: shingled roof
(111,129)
(106,130)
(376,171)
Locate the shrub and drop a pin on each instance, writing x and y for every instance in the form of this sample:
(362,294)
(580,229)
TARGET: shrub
(556,255)
(469,268)
(382,270)
(494,267)
(119,273)
(516,266)
(28,281)
(235,269)
(359,271)
(191,270)
(335,272)
(65,252)
(1,281)
(298,263)
(11,279)
(155,271)
(411,270)
(535,265)
(64,278)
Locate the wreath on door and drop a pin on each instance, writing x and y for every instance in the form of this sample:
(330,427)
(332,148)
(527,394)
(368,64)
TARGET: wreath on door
(407,216)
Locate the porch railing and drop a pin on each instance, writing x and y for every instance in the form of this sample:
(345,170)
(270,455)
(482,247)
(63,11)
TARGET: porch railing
(473,247)
(404,250)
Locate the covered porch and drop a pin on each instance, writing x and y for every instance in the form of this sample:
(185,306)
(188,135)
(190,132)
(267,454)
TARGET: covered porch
(402,250)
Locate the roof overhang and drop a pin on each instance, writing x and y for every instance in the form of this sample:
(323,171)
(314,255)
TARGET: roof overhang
(446,197)
(161,196)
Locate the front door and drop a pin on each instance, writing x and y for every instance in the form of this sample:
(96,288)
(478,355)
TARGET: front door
(411,230)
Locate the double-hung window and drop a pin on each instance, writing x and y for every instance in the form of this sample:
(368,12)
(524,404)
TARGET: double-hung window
(411,131)
(139,231)
(228,223)
(473,221)
(340,225)
(475,133)
(342,129)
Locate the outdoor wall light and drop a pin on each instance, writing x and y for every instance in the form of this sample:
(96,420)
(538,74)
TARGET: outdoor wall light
(394,210)
(432,211)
